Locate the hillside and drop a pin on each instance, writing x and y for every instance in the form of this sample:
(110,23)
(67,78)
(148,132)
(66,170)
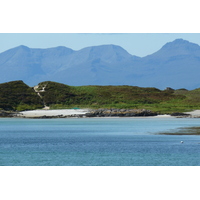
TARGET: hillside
(175,65)
(58,95)
(16,95)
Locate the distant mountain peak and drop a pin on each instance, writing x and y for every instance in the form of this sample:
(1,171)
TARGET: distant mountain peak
(178,47)
(22,47)
(60,48)
(106,53)
(105,47)
(180,43)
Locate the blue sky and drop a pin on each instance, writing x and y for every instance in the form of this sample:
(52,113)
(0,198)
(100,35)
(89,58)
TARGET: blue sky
(139,44)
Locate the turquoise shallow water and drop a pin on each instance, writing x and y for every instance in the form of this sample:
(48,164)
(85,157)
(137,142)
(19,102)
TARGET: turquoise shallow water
(97,142)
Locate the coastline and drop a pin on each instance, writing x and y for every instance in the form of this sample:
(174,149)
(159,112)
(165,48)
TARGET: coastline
(194,113)
(82,113)
(78,113)
(65,113)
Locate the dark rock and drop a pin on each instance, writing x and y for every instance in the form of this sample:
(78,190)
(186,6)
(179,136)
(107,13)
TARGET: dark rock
(90,114)
(7,113)
(177,114)
(120,113)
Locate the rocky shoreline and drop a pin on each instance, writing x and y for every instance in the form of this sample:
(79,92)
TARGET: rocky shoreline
(120,113)
(8,113)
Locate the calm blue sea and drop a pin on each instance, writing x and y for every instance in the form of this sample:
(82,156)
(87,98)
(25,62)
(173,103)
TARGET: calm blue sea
(97,142)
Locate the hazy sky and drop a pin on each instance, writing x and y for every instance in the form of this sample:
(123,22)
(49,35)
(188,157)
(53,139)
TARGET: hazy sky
(139,44)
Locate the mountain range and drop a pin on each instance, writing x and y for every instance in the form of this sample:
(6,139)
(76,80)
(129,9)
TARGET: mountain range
(176,65)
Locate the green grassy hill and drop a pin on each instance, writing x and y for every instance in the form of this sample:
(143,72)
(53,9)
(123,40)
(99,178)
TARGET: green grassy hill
(16,95)
(58,95)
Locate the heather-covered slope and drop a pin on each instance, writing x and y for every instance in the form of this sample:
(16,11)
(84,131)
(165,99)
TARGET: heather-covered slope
(16,95)
(59,96)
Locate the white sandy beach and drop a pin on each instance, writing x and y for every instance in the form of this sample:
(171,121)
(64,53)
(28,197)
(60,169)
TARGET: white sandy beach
(64,112)
(163,116)
(194,113)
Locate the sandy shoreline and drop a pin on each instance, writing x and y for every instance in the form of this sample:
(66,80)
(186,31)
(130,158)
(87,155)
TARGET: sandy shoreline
(52,113)
(194,113)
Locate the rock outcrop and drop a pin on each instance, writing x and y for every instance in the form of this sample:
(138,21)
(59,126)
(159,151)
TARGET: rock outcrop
(7,113)
(177,114)
(120,113)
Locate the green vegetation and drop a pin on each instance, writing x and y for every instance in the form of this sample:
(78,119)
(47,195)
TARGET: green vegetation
(18,96)
(59,96)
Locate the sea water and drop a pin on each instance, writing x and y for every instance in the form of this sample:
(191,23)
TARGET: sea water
(97,142)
